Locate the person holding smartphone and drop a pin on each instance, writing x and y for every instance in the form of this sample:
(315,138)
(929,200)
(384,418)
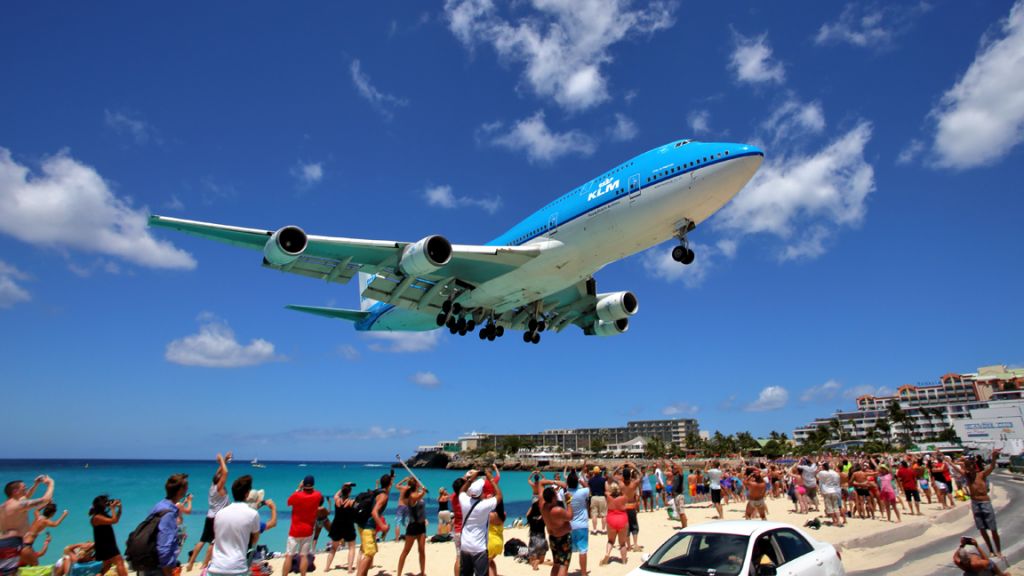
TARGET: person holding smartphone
(970,558)
(104,513)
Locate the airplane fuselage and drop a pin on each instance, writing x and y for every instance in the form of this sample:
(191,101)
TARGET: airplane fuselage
(638,204)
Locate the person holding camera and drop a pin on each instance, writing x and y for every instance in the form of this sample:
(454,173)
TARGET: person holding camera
(103,515)
(970,558)
(217,499)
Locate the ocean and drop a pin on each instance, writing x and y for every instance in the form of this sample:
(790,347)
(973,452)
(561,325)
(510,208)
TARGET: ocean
(140,484)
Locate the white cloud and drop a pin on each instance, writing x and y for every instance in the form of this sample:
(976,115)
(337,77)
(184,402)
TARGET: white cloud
(698,121)
(770,398)
(425,380)
(870,25)
(404,341)
(124,124)
(658,263)
(383,103)
(349,352)
(821,392)
(214,346)
(981,118)
(752,60)
(680,409)
(624,128)
(533,136)
(866,389)
(793,120)
(70,206)
(443,197)
(563,43)
(816,193)
(11,292)
(910,153)
(309,174)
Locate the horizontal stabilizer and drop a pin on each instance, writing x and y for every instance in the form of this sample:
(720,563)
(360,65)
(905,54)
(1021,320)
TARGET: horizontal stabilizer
(342,313)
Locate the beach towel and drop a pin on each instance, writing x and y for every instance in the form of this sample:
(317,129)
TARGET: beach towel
(10,550)
(86,569)
(35,570)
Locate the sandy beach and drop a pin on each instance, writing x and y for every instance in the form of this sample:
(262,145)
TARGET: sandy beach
(864,544)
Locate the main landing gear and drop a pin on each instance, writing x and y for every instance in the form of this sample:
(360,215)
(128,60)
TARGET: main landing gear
(490,331)
(535,327)
(451,316)
(682,253)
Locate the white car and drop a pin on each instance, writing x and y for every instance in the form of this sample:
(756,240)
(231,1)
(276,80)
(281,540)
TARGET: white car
(742,548)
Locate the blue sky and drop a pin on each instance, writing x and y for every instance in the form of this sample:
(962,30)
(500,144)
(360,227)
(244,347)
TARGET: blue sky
(878,245)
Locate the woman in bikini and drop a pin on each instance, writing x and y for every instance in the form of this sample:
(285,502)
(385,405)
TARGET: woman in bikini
(43,520)
(618,522)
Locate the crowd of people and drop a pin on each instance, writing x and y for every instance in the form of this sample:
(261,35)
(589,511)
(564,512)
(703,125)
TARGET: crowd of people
(567,511)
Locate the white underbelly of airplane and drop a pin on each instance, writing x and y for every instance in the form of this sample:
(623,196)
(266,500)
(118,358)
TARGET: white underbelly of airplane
(617,230)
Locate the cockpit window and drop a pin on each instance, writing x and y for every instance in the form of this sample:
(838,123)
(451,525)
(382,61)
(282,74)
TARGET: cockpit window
(682,142)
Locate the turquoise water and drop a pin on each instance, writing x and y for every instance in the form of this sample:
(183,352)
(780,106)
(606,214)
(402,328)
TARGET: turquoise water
(140,484)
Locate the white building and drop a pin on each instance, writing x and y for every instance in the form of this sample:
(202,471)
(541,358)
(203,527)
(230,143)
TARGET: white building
(1001,425)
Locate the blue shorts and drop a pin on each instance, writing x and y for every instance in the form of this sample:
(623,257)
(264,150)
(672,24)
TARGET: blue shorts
(580,540)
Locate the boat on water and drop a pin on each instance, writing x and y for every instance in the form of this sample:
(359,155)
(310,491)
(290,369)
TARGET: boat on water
(256,463)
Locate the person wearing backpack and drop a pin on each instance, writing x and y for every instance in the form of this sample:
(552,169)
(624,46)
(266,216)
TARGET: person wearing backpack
(153,547)
(476,515)
(370,518)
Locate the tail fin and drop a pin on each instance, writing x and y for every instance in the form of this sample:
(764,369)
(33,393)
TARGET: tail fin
(364,280)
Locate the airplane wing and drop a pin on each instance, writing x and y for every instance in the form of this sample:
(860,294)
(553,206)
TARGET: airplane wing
(338,259)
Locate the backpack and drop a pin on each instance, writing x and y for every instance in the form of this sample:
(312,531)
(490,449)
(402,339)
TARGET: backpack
(140,549)
(364,506)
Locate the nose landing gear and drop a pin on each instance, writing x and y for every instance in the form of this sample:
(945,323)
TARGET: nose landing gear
(682,253)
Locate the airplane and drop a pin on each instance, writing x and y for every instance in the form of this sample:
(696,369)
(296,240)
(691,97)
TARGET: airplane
(539,275)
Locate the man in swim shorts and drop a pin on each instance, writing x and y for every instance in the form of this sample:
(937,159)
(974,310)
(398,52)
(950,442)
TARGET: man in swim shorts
(14,522)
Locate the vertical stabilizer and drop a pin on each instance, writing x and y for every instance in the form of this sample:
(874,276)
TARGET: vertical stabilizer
(364,280)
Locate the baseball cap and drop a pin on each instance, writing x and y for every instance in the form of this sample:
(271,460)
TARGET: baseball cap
(476,488)
(308,482)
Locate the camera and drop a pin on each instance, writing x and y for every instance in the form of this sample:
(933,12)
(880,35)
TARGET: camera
(967,541)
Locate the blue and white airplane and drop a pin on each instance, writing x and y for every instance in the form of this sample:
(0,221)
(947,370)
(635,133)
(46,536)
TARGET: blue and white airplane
(537,276)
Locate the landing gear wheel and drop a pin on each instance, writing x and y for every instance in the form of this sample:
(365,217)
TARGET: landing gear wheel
(470,325)
(532,324)
(541,326)
(461,325)
(446,306)
(462,331)
(536,338)
(688,257)
(678,253)
(527,337)
(441,319)
(483,334)
(452,328)
(457,308)
(499,331)
(451,323)
(490,335)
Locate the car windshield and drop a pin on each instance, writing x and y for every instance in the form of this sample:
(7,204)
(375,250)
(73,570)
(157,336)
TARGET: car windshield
(700,553)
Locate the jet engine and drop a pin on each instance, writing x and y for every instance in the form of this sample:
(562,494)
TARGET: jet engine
(616,306)
(426,256)
(285,245)
(614,328)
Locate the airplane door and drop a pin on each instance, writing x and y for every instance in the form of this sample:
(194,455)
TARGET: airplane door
(553,224)
(634,188)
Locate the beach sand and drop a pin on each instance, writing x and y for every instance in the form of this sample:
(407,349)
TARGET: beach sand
(864,544)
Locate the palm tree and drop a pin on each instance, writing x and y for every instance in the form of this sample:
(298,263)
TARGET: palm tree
(838,427)
(901,420)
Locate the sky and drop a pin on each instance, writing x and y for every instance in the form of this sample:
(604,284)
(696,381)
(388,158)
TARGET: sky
(879,244)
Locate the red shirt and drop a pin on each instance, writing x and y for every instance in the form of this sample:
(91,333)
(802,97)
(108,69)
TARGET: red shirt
(908,478)
(304,506)
(456,513)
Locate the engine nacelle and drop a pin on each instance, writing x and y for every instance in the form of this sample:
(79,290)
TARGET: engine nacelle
(614,328)
(285,245)
(616,306)
(426,256)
